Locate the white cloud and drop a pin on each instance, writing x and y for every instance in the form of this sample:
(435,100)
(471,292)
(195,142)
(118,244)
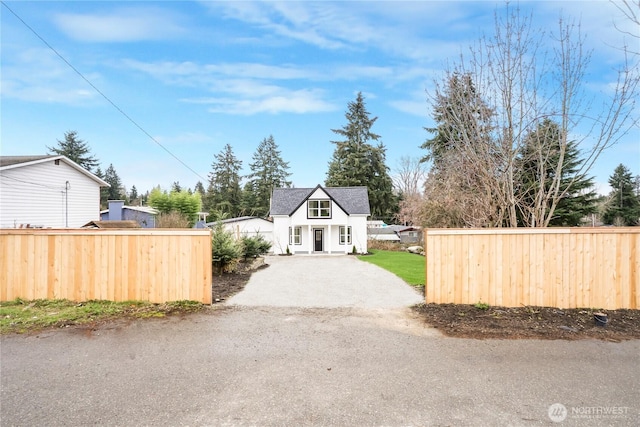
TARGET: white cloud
(123,25)
(38,75)
(415,108)
(280,100)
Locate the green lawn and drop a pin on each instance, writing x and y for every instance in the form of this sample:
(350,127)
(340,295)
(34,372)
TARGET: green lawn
(409,267)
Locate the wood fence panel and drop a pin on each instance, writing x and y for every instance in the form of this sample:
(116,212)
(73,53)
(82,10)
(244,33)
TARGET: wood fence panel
(557,267)
(119,265)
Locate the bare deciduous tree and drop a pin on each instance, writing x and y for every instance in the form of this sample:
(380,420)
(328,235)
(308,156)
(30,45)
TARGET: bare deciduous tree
(524,85)
(409,175)
(408,180)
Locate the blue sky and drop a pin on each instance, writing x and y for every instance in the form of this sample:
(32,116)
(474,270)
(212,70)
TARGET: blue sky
(199,75)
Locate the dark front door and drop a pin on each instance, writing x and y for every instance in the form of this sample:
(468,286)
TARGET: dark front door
(317,240)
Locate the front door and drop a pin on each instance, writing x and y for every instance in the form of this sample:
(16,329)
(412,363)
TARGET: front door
(317,240)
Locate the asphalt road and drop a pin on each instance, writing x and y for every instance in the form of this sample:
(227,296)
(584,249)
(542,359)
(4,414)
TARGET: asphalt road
(273,366)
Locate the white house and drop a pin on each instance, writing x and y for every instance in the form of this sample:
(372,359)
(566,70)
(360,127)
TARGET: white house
(47,191)
(320,220)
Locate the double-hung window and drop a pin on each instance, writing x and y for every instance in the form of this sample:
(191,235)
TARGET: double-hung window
(319,208)
(295,235)
(345,235)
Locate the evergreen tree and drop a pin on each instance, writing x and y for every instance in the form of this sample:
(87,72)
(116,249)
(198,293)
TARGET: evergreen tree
(133,193)
(357,162)
(75,149)
(224,194)
(537,165)
(114,192)
(199,188)
(624,205)
(104,191)
(176,187)
(268,171)
(460,114)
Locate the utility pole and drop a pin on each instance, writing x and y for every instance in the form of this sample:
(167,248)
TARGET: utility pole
(67,186)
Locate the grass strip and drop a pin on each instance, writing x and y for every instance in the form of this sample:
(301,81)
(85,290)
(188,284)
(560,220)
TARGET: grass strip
(20,316)
(409,267)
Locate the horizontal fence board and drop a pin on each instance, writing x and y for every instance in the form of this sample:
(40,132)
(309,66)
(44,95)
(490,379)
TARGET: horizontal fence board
(555,267)
(157,265)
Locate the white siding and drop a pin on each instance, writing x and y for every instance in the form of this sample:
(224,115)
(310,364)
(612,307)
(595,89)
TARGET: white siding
(251,227)
(35,195)
(281,234)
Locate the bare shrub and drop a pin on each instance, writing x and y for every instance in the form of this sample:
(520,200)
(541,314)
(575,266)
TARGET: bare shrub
(173,219)
(384,245)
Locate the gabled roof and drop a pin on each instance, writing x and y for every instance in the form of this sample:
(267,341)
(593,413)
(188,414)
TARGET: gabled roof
(352,200)
(13,162)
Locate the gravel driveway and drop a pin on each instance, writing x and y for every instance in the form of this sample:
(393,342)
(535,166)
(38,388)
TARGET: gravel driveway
(325,282)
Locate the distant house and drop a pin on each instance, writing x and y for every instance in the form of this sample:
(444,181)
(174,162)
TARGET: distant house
(383,233)
(320,220)
(47,191)
(248,226)
(396,233)
(376,224)
(145,216)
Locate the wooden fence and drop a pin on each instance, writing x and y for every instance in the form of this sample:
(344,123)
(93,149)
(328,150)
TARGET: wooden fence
(554,267)
(156,265)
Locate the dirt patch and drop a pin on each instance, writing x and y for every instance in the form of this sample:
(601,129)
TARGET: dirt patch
(227,285)
(469,321)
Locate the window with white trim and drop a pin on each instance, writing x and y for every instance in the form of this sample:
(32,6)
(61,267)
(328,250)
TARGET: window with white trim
(295,235)
(319,208)
(345,235)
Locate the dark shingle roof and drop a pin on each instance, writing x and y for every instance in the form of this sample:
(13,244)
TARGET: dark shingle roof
(353,200)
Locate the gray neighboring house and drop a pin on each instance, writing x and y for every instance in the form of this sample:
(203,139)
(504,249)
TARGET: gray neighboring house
(143,215)
(396,233)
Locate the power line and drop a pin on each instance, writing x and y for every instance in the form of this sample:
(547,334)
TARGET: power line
(32,183)
(102,94)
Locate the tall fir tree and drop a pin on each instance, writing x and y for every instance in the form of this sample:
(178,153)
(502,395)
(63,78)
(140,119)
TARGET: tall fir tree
(268,171)
(358,162)
(224,194)
(459,113)
(75,149)
(623,207)
(199,188)
(115,190)
(536,172)
(176,187)
(104,191)
(133,193)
